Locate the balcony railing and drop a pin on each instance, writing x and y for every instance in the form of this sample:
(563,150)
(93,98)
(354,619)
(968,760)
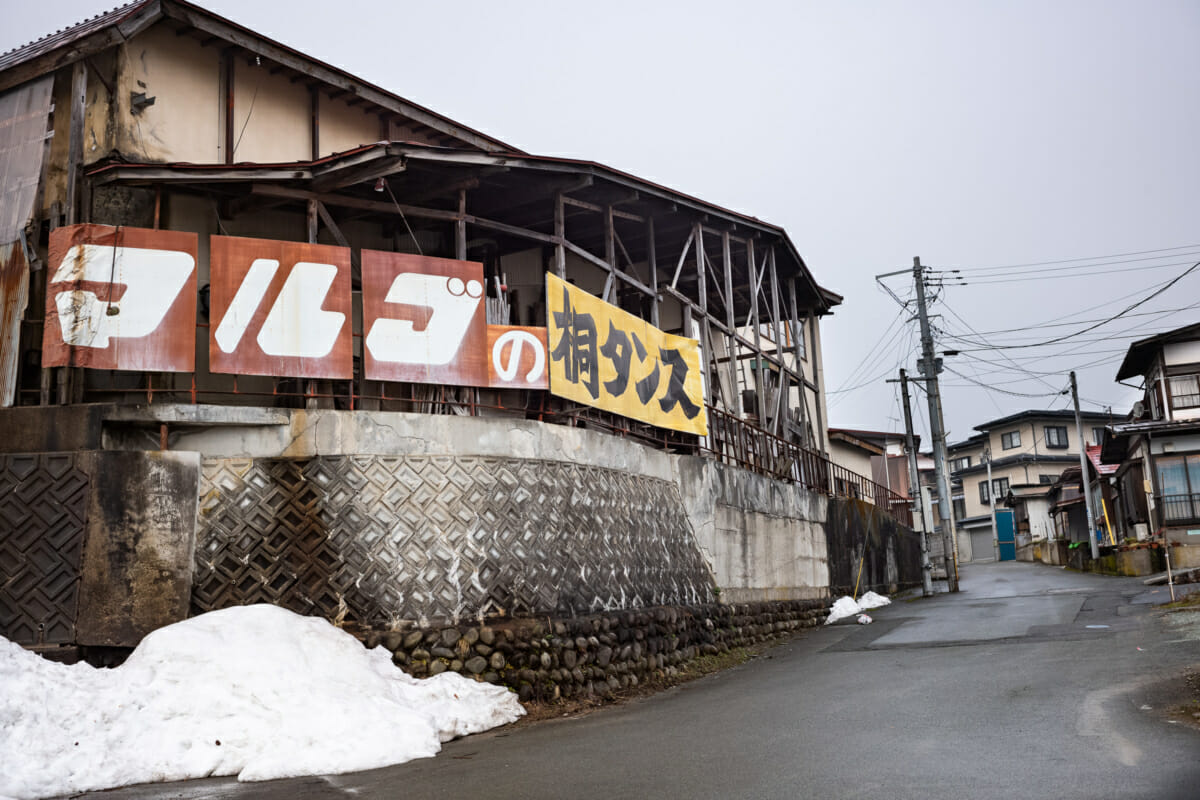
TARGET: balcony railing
(743,444)
(1180,507)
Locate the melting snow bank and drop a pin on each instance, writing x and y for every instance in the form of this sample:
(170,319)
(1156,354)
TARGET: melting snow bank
(253,691)
(846,606)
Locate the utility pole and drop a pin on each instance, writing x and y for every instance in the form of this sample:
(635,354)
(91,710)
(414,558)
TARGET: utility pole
(929,370)
(914,482)
(987,454)
(1084,478)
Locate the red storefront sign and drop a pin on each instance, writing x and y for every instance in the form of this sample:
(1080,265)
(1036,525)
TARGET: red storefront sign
(121,298)
(280,308)
(517,357)
(424,319)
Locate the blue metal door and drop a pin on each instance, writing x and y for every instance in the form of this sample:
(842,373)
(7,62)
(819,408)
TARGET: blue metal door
(1006,539)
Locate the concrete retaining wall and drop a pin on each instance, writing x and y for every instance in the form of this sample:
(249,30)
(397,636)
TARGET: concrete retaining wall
(392,519)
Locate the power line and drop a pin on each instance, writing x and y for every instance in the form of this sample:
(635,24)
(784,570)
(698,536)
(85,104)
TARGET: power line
(1091,258)
(1093,327)
(1039,276)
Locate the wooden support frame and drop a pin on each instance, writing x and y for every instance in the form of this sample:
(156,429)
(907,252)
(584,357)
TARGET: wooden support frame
(652,265)
(735,406)
(756,320)
(780,402)
(795,323)
(227,74)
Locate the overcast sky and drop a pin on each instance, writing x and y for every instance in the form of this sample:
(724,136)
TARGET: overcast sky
(971,134)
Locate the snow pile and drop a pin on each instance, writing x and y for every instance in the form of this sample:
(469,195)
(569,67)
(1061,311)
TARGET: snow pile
(847,607)
(254,691)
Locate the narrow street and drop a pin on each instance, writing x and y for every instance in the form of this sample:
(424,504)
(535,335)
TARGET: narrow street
(1031,682)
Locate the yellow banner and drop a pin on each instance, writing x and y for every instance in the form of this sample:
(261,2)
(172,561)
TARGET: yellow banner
(604,357)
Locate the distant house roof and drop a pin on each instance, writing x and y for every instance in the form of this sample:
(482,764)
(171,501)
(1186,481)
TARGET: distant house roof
(1090,416)
(877,437)
(1102,469)
(1141,352)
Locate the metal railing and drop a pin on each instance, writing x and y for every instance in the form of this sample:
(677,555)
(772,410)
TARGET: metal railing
(735,441)
(1180,507)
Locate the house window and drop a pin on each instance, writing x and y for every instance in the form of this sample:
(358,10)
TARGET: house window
(1185,391)
(1097,435)
(959,464)
(960,508)
(1000,487)
(1010,440)
(983,492)
(1047,479)
(1056,437)
(1179,486)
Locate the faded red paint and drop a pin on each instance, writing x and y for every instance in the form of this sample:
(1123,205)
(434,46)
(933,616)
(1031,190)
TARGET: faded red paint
(434,329)
(170,347)
(232,260)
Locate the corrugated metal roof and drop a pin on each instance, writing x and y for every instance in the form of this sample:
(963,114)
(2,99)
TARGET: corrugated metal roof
(68,35)
(1093,454)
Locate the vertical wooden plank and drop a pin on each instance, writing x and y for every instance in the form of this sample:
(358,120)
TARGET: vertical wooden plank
(814,354)
(310,386)
(780,402)
(460,227)
(560,234)
(610,255)
(756,320)
(75,142)
(796,337)
(227,61)
(652,262)
(702,290)
(314,121)
(731,346)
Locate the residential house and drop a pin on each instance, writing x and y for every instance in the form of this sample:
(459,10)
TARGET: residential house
(1157,449)
(1028,452)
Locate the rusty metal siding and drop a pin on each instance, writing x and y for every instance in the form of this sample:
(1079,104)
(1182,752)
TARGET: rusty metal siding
(24,112)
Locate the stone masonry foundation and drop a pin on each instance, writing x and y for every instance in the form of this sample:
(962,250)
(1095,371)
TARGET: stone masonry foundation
(598,655)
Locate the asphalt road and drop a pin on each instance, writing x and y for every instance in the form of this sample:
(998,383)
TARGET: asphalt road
(1030,682)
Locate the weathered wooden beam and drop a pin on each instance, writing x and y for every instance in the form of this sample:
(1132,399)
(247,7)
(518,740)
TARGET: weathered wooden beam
(756,320)
(560,234)
(727,264)
(779,405)
(314,121)
(687,246)
(652,263)
(796,339)
(227,75)
(460,227)
(75,140)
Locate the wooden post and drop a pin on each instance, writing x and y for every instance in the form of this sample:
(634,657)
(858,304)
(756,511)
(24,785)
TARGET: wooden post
(70,379)
(460,227)
(560,236)
(227,61)
(731,346)
(797,337)
(652,262)
(310,387)
(702,290)
(780,402)
(314,121)
(610,254)
(756,317)
(75,142)
(814,349)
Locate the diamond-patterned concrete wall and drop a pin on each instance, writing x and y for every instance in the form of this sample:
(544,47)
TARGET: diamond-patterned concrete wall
(440,538)
(43,510)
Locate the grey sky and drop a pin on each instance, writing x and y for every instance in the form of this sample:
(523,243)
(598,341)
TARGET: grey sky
(969,133)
